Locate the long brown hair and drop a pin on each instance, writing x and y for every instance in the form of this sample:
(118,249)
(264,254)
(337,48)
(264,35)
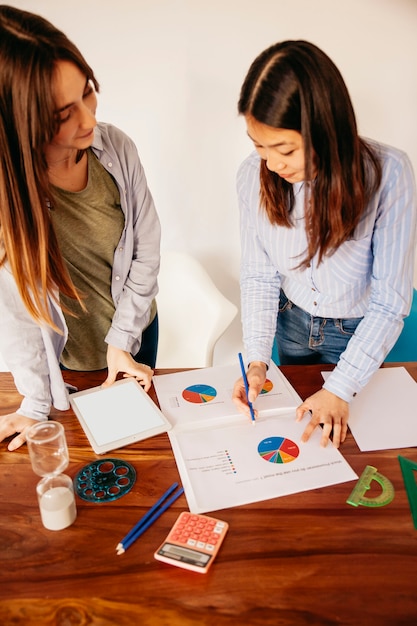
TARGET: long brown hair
(30,47)
(296,86)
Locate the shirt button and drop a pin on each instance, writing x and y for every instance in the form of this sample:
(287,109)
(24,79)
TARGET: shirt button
(121,249)
(110,164)
(117,278)
(315,303)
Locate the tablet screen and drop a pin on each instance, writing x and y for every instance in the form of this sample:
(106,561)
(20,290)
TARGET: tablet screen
(117,415)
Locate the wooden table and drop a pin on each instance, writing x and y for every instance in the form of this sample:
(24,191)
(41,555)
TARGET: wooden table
(307,558)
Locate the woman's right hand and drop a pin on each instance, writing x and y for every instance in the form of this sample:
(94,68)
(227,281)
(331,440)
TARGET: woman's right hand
(15,423)
(120,361)
(256,376)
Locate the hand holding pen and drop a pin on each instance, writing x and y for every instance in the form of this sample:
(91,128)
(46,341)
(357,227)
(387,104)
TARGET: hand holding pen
(248,387)
(245,382)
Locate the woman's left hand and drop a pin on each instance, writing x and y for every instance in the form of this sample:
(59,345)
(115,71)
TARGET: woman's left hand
(121,361)
(328,409)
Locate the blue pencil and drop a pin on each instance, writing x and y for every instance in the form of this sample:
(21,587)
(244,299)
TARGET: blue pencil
(125,545)
(148,519)
(245,380)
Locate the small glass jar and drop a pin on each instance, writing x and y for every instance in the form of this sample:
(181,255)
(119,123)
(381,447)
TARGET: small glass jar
(56,501)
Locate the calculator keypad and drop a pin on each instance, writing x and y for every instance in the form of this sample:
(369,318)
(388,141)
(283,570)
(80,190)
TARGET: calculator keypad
(198,531)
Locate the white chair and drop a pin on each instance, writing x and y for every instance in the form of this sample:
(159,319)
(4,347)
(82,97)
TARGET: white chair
(3,366)
(193,313)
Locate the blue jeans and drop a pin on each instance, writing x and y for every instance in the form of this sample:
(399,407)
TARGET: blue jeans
(303,339)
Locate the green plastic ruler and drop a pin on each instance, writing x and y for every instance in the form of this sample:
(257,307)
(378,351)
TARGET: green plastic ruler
(358,496)
(408,468)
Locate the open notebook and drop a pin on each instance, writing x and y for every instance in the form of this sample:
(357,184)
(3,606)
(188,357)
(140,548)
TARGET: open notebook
(118,415)
(224,460)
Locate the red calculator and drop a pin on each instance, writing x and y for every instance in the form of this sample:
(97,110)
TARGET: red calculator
(193,542)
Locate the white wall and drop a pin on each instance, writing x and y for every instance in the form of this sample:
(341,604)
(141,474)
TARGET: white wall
(170,74)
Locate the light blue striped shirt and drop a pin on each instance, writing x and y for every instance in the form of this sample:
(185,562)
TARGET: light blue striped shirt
(370,275)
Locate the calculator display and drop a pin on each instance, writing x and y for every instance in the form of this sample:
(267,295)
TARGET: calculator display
(184,554)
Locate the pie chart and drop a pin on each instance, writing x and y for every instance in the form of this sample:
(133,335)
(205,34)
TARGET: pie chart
(198,394)
(267,386)
(278,450)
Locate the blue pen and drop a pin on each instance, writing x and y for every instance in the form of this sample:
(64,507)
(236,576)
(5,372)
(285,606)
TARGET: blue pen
(245,380)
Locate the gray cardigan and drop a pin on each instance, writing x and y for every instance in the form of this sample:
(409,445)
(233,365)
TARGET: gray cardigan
(32,351)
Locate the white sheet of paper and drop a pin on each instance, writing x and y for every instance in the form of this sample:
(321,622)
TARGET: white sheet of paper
(383,416)
(224,467)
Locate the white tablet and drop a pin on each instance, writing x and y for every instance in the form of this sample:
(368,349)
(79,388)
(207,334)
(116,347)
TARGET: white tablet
(118,415)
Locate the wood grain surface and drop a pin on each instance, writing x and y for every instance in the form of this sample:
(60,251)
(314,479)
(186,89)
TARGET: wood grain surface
(307,558)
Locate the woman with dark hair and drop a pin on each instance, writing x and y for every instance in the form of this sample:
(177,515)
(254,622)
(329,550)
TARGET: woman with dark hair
(327,229)
(79,234)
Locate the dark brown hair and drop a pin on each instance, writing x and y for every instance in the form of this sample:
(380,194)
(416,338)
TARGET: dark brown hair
(294,85)
(30,47)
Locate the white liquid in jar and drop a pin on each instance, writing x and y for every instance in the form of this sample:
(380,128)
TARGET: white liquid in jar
(57,506)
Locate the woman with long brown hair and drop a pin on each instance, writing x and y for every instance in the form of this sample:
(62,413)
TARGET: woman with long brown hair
(327,228)
(79,234)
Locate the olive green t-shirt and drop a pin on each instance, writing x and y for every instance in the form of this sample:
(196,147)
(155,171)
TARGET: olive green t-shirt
(89,224)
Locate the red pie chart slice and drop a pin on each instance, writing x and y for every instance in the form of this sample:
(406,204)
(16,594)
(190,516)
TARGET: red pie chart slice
(289,447)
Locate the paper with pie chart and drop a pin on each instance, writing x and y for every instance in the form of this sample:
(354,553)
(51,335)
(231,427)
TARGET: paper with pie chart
(223,459)
(238,463)
(195,396)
